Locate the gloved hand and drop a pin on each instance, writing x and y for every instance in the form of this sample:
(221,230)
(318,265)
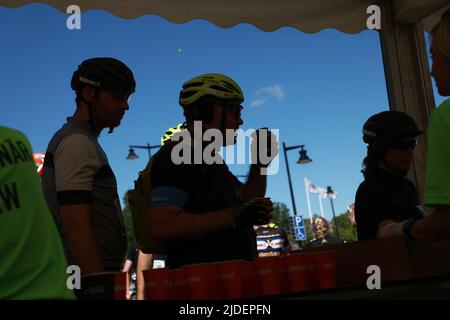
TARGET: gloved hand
(264,147)
(392,229)
(257,211)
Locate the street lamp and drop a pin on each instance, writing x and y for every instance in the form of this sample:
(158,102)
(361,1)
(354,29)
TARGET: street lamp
(132,155)
(330,194)
(304,159)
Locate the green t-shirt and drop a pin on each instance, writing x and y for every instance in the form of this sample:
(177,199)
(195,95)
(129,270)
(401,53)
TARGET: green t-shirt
(437,179)
(32,261)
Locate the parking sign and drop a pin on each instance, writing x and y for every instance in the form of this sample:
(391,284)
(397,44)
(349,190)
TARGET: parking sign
(299,228)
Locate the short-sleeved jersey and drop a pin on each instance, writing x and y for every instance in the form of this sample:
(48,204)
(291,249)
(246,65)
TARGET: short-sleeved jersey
(437,179)
(200,189)
(76,171)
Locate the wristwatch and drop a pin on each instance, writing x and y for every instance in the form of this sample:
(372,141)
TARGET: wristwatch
(407,227)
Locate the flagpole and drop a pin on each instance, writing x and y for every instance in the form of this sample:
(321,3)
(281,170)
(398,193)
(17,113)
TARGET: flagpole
(308,200)
(321,205)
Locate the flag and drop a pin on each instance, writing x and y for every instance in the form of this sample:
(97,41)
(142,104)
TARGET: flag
(310,187)
(313,188)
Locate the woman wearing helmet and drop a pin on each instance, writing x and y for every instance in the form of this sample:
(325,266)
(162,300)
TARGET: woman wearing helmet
(386,195)
(436,226)
(201,211)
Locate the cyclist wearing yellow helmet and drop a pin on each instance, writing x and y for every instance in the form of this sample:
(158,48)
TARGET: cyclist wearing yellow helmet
(170,132)
(201,211)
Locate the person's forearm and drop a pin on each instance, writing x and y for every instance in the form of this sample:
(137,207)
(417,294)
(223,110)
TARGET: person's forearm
(84,248)
(189,226)
(435,227)
(256,184)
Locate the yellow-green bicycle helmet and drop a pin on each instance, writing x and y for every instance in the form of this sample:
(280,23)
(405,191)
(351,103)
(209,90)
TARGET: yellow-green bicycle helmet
(212,84)
(170,132)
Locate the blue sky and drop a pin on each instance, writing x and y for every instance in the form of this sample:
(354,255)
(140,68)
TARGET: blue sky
(318,88)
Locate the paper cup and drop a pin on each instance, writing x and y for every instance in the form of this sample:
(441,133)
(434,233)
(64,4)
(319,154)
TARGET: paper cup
(322,269)
(120,286)
(268,276)
(232,278)
(157,284)
(201,281)
(178,281)
(296,272)
(250,279)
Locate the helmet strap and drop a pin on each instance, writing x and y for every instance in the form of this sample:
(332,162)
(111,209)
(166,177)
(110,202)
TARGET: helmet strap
(91,108)
(222,121)
(396,172)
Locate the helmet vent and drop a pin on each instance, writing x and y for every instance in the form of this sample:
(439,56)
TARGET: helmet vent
(187,94)
(229,86)
(193,84)
(219,89)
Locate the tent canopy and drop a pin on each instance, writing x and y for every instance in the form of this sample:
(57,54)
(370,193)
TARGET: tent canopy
(348,16)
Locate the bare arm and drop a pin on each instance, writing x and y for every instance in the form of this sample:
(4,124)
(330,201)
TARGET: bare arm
(81,239)
(435,226)
(172,223)
(145,262)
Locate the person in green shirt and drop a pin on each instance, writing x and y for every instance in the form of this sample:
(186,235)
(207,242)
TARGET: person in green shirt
(32,261)
(436,226)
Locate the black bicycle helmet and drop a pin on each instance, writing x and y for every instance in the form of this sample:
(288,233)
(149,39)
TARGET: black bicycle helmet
(389,126)
(103,73)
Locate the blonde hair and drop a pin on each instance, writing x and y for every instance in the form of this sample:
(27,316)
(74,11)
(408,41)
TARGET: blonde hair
(441,36)
(321,227)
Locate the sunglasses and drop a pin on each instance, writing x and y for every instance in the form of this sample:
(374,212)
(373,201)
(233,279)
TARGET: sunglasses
(120,95)
(404,145)
(234,109)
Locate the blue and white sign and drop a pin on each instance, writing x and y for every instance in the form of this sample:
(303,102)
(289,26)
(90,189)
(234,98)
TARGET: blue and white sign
(299,228)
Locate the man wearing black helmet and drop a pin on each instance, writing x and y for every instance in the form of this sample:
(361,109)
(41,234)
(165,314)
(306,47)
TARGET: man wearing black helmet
(79,185)
(386,195)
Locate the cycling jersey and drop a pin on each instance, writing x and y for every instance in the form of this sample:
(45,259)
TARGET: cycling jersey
(200,189)
(270,239)
(76,171)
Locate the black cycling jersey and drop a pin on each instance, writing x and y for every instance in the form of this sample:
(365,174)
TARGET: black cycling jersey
(199,189)
(383,196)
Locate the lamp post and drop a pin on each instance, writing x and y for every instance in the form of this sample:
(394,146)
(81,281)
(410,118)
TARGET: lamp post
(304,159)
(132,155)
(330,194)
